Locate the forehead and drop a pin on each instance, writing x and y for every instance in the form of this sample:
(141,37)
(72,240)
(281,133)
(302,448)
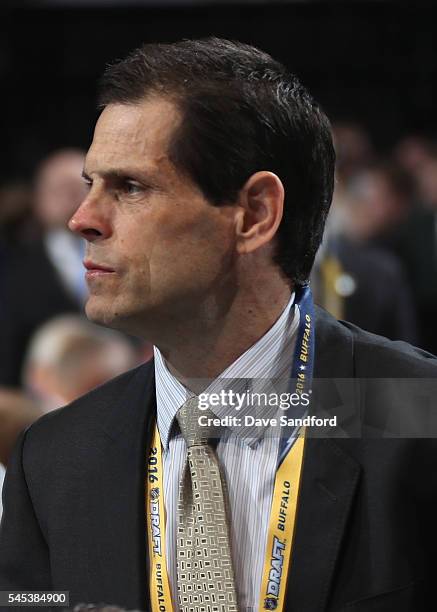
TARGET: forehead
(132,134)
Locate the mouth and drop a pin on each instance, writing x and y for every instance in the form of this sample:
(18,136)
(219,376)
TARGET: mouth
(94,269)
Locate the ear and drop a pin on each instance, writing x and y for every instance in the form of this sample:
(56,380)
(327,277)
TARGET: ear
(261,206)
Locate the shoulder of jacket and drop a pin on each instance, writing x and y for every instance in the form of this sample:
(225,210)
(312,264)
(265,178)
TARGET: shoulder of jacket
(87,411)
(391,358)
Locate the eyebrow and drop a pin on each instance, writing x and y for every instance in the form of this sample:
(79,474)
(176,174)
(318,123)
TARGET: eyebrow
(118,174)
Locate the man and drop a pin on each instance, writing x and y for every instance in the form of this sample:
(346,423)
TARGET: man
(210,177)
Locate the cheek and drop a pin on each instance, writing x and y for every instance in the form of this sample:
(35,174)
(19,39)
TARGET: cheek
(176,249)
(138,266)
(205,228)
(199,240)
(201,259)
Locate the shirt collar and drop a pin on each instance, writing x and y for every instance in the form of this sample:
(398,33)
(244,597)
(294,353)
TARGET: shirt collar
(269,358)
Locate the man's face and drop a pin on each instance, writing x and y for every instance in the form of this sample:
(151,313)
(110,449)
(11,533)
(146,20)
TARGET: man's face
(157,249)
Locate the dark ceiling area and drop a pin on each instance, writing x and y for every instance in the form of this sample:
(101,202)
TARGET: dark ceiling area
(374,63)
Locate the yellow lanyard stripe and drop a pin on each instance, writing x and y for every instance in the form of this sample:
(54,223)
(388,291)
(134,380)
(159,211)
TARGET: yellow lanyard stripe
(281,529)
(160,597)
(279,539)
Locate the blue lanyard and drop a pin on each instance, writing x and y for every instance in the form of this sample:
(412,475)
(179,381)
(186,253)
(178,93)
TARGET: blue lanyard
(303,358)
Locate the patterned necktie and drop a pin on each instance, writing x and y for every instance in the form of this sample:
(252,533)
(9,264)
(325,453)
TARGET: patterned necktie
(204,564)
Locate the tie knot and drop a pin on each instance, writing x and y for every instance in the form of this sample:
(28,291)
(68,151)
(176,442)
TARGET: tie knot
(193,432)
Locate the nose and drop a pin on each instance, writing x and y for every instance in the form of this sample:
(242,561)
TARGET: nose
(91,221)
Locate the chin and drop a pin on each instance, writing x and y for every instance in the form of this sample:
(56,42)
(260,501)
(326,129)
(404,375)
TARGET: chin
(98,312)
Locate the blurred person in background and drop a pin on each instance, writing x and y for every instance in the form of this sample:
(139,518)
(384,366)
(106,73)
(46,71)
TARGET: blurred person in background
(17,221)
(427,183)
(352,278)
(362,283)
(412,153)
(17,226)
(381,199)
(417,248)
(68,356)
(44,278)
(16,413)
(353,149)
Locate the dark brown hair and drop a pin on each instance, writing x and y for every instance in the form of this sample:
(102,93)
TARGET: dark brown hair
(242,112)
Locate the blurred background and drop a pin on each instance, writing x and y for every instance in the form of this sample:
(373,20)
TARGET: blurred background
(372,66)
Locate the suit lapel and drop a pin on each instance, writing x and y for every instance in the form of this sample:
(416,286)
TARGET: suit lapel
(329,481)
(117,511)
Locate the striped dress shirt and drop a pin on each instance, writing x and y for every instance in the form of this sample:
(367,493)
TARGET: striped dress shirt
(247,456)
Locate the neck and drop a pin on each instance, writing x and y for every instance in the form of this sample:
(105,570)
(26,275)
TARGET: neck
(205,346)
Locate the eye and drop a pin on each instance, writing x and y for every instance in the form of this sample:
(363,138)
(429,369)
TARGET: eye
(132,188)
(87,182)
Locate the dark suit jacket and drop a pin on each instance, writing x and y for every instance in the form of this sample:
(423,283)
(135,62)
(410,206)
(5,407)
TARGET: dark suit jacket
(365,536)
